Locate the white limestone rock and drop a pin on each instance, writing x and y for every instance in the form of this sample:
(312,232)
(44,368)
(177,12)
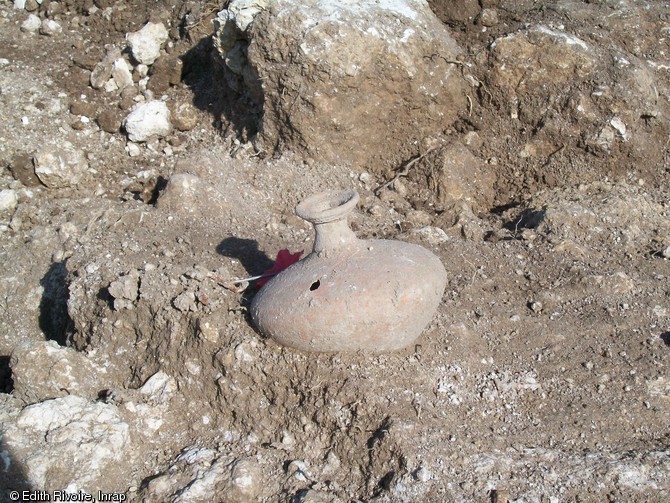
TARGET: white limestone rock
(146,43)
(148,119)
(198,473)
(103,70)
(59,166)
(159,388)
(121,74)
(9,200)
(50,28)
(90,437)
(32,24)
(434,236)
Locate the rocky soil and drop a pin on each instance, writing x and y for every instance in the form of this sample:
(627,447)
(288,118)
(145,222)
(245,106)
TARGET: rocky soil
(153,153)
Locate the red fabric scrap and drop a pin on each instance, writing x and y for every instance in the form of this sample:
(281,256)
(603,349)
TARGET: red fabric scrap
(284,259)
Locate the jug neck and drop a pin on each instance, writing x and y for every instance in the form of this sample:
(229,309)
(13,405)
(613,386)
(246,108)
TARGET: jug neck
(332,236)
(327,212)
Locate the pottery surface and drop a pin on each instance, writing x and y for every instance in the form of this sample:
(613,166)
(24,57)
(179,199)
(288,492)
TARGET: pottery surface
(349,294)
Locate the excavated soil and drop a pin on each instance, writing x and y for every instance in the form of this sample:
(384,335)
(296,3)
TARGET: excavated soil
(544,374)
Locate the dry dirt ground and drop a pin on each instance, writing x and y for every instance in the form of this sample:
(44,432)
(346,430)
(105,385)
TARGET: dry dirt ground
(542,378)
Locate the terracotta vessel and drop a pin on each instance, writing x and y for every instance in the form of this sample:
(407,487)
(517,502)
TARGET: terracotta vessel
(349,294)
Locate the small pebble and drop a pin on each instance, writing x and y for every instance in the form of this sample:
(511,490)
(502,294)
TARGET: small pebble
(8,200)
(127,103)
(177,140)
(110,86)
(110,120)
(83,108)
(473,140)
(78,125)
(23,170)
(488,17)
(103,70)
(184,116)
(32,24)
(121,74)
(142,70)
(133,149)
(50,28)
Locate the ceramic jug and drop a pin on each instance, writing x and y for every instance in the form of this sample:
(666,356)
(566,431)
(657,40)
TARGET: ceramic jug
(349,294)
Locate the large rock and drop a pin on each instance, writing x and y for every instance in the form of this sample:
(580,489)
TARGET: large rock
(59,166)
(146,43)
(342,81)
(147,120)
(461,176)
(90,438)
(553,81)
(42,370)
(534,59)
(201,474)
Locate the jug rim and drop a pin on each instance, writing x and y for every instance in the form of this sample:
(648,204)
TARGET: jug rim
(327,206)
